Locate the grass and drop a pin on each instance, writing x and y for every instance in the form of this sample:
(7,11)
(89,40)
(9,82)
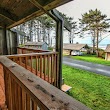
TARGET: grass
(92,58)
(89,88)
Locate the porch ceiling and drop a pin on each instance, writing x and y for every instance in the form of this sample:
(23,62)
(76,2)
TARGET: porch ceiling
(14,12)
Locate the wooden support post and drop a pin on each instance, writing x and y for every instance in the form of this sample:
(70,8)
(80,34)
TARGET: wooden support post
(59,48)
(59,42)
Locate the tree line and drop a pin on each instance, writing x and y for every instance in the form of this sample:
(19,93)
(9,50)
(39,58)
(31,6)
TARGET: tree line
(93,23)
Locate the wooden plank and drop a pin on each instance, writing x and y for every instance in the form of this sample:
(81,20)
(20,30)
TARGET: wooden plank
(30,54)
(51,68)
(7,15)
(6,80)
(36,65)
(31,62)
(28,102)
(34,106)
(10,93)
(13,94)
(23,100)
(44,67)
(57,70)
(48,67)
(26,62)
(40,66)
(16,96)
(54,69)
(19,97)
(65,88)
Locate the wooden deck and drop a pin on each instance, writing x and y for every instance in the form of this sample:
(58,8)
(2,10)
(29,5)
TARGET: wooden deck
(25,91)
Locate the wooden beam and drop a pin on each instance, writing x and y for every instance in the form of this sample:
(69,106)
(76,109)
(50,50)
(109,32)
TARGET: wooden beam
(34,2)
(33,15)
(44,9)
(67,25)
(8,15)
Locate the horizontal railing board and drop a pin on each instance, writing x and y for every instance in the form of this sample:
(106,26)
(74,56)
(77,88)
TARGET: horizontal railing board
(32,54)
(48,96)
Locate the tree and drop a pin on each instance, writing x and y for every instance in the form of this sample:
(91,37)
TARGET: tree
(47,24)
(73,26)
(73,31)
(95,24)
(41,29)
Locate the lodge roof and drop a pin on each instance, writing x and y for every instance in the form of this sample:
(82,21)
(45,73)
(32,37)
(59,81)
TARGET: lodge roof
(74,46)
(107,48)
(14,12)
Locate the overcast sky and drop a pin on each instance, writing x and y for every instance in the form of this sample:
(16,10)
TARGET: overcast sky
(78,7)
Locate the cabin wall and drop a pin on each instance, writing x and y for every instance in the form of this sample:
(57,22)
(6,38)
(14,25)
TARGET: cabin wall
(107,56)
(1,41)
(66,52)
(11,41)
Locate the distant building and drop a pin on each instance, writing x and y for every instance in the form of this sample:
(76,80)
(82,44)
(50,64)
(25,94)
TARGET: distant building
(74,49)
(107,52)
(37,45)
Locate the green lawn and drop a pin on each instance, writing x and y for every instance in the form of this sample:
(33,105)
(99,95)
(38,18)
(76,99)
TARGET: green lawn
(89,88)
(92,58)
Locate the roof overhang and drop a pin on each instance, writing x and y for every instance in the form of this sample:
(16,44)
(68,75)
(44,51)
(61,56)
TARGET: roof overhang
(13,12)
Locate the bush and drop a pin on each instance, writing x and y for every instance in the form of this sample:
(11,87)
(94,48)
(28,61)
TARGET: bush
(50,48)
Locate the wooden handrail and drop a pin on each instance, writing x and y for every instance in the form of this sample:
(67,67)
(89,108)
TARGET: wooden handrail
(25,91)
(32,54)
(44,65)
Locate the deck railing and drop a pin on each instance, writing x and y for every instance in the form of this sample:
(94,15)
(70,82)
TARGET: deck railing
(24,50)
(44,65)
(25,91)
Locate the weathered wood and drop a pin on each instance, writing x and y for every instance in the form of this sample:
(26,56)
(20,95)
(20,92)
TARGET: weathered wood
(67,25)
(28,102)
(42,93)
(34,106)
(16,96)
(36,65)
(48,67)
(11,10)
(6,79)
(43,65)
(65,88)
(8,15)
(19,97)
(23,100)
(32,50)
